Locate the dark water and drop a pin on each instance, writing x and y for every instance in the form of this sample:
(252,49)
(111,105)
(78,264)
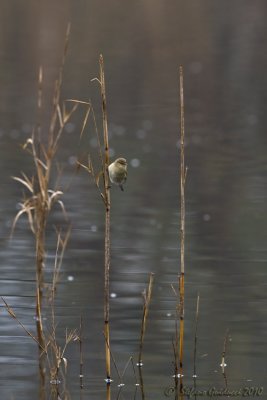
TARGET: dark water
(222,47)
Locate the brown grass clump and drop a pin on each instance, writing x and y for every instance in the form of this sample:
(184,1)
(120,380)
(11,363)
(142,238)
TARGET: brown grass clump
(37,205)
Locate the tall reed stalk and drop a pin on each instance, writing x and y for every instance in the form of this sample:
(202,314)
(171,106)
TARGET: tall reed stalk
(107,216)
(182,227)
(104,194)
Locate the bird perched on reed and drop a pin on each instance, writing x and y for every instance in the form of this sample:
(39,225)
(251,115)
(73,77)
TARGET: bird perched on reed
(118,172)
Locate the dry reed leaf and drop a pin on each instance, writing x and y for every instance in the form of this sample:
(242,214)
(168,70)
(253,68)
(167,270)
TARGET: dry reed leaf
(65,361)
(28,141)
(44,152)
(30,219)
(174,291)
(60,116)
(27,179)
(83,166)
(39,164)
(98,177)
(79,101)
(24,210)
(67,115)
(40,81)
(9,310)
(90,165)
(96,79)
(24,182)
(60,202)
(54,193)
(85,120)
(13,315)
(53,198)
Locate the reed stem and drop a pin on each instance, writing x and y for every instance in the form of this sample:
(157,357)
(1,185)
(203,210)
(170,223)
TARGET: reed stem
(147,299)
(81,351)
(195,340)
(223,363)
(107,216)
(182,226)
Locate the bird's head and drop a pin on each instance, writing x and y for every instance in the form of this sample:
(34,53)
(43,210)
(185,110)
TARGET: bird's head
(121,161)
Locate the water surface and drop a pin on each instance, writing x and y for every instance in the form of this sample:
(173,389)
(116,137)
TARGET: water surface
(222,50)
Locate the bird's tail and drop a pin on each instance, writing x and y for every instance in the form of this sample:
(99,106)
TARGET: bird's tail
(121,188)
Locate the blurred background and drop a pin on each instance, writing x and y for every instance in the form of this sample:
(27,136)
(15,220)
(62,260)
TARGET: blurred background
(222,48)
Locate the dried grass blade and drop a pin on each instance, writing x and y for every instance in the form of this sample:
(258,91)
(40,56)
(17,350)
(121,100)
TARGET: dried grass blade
(13,315)
(67,115)
(60,116)
(28,141)
(85,120)
(40,83)
(79,101)
(65,361)
(18,215)
(84,166)
(60,202)
(97,178)
(24,182)
(42,164)
(53,197)
(30,219)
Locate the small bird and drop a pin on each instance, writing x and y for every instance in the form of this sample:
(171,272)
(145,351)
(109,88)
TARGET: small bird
(118,172)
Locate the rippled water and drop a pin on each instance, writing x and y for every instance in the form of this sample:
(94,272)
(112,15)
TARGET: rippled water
(223,51)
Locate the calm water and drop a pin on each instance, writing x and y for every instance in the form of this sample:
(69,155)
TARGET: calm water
(223,51)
